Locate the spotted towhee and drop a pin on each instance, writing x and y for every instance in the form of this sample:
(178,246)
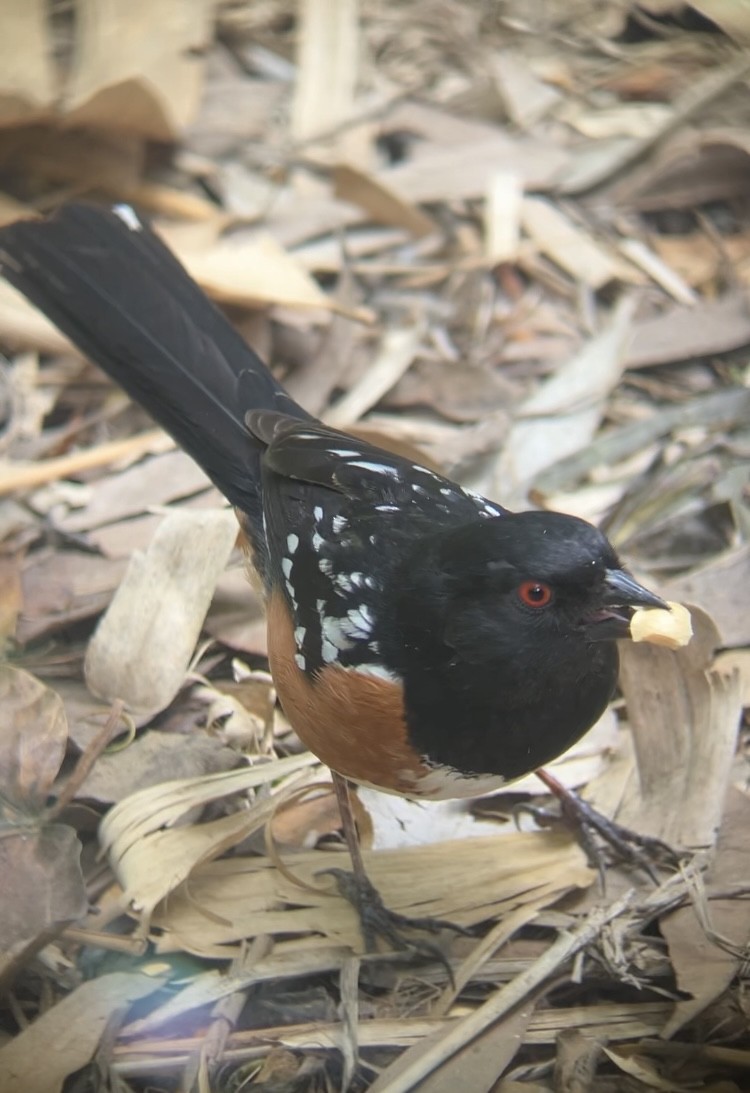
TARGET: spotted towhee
(423,639)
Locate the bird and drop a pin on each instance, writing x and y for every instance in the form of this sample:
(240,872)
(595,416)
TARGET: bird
(423,640)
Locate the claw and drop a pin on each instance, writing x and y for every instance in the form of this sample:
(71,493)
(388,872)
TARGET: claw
(377,921)
(641,851)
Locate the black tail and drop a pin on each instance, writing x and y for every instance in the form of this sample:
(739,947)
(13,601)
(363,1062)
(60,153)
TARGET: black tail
(122,297)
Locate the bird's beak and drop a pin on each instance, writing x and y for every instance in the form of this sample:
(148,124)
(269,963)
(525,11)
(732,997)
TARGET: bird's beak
(619,595)
(621,590)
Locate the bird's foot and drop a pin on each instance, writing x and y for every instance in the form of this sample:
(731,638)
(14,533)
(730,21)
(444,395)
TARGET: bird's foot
(593,828)
(377,921)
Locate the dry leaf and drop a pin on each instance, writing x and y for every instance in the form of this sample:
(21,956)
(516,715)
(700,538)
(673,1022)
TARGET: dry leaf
(65,1037)
(143,645)
(150,857)
(563,414)
(27,75)
(247,270)
(43,889)
(721,588)
(329,52)
(151,83)
(703,969)
(153,758)
(150,482)
(33,737)
(40,874)
(684,715)
(465,882)
(64,587)
(568,244)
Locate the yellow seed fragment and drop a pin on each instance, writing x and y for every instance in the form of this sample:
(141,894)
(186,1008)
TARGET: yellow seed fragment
(671,628)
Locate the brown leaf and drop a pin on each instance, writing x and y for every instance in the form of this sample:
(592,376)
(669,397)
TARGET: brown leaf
(155,757)
(33,736)
(43,889)
(64,587)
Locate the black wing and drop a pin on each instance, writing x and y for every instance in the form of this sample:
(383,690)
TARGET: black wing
(340,513)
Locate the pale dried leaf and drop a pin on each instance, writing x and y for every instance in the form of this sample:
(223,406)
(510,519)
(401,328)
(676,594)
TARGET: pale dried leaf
(143,645)
(397,350)
(65,1037)
(684,715)
(247,270)
(643,1071)
(525,96)
(703,969)
(474,1068)
(731,16)
(686,333)
(568,244)
(329,52)
(563,414)
(380,203)
(722,588)
(232,899)
(27,75)
(151,83)
(139,837)
(157,481)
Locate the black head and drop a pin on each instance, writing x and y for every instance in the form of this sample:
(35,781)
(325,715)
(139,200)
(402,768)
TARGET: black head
(506,632)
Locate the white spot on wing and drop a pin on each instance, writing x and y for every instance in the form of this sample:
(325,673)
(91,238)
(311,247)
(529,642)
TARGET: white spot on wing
(358,622)
(344,582)
(329,652)
(286,566)
(386,508)
(318,513)
(128,217)
(317,541)
(339,523)
(292,542)
(299,635)
(299,661)
(376,468)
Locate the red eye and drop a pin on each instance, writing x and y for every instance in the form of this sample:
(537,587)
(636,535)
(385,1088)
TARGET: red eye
(534,593)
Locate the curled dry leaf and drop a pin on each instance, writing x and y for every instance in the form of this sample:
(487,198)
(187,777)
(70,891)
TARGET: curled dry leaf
(151,855)
(40,874)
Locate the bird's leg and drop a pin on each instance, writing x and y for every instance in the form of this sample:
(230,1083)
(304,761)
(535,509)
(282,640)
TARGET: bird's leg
(631,847)
(376,920)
